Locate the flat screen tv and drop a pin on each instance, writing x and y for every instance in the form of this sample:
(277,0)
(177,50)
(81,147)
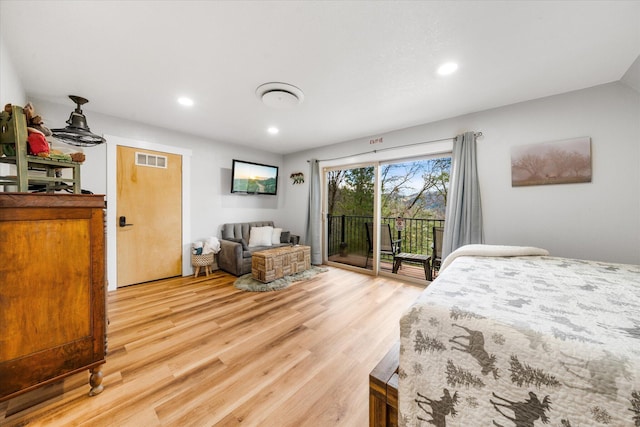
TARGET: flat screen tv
(253,178)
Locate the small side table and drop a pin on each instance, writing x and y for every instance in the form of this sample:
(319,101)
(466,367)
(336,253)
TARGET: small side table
(198,261)
(418,258)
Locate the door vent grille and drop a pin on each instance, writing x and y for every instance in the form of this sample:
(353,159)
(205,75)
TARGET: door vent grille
(151,160)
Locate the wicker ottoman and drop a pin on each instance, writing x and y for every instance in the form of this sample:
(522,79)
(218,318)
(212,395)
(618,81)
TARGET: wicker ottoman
(272,264)
(198,261)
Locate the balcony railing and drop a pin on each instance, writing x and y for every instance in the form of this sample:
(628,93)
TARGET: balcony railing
(347,234)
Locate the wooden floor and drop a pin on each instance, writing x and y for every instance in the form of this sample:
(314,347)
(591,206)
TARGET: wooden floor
(198,352)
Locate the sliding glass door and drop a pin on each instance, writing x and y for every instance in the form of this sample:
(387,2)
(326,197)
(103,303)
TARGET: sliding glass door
(413,196)
(350,209)
(410,196)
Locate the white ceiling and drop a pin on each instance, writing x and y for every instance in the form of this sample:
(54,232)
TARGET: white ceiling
(365,67)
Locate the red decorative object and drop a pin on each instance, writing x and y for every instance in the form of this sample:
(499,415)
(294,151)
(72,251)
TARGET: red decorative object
(37,143)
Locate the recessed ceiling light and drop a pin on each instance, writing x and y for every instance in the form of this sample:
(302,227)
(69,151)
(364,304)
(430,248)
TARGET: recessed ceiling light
(448,68)
(273,130)
(187,102)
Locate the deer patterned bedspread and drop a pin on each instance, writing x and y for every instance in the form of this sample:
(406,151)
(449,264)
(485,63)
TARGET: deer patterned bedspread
(523,341)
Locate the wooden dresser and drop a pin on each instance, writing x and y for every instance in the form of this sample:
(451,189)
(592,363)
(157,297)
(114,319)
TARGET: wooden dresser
(52,290)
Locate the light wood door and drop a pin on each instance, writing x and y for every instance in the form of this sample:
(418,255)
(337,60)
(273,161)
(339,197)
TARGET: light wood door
(149,198)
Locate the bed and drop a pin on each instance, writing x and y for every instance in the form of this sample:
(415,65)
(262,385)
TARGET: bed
(508,336)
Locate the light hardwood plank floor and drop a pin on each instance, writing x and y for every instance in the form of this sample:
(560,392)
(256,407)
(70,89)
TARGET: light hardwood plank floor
(198,352)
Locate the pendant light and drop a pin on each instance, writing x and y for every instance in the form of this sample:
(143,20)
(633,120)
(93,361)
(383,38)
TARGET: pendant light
(77,132)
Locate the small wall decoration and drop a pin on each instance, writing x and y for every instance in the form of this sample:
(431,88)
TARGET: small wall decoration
(557,162)
(297,178)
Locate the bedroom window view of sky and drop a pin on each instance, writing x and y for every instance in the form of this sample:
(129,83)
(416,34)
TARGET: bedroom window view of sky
(415,189)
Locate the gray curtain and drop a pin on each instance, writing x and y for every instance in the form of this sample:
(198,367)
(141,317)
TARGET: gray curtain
(314,219)
(463,216)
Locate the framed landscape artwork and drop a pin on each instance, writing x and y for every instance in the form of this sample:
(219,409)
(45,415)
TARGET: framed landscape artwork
(557,162)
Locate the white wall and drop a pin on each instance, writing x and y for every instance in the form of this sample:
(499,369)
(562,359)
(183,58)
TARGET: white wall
(632,76)
(11,90)
(598,220)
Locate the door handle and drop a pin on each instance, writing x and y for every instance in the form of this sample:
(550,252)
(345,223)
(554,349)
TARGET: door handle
(123,222)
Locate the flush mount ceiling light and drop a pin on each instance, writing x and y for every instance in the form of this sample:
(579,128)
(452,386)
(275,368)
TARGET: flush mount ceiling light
(448,68)
(77,132)
(279,95)
(273,130)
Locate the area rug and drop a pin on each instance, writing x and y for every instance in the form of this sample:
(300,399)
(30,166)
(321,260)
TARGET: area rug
(248,283)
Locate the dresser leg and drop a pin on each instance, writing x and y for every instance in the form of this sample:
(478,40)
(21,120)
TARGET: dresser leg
(95,381)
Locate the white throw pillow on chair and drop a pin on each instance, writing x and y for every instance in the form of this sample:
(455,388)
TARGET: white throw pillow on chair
(260,236)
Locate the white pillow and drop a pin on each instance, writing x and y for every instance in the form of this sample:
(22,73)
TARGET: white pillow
(260,236)
(211,245)
(275,237)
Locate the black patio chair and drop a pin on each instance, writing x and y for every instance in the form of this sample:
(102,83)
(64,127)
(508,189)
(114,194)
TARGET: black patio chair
(436,254)
(388,245)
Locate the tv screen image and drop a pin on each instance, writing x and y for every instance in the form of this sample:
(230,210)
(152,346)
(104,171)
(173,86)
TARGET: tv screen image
(253,178)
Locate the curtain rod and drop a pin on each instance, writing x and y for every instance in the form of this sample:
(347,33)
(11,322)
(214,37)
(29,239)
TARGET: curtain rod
(477,134)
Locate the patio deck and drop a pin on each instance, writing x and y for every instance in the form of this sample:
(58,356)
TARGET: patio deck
(407,269)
